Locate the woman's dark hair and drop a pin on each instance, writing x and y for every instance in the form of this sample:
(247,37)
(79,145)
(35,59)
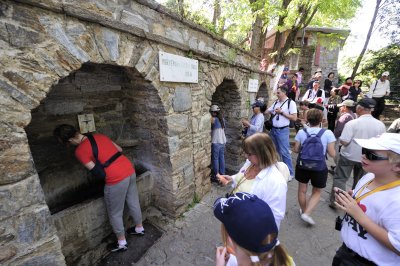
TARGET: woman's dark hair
(314,117)
(221,119)
(336,91)
(348,79)
(331,73)
(301,69)
(358,81)
(64,132)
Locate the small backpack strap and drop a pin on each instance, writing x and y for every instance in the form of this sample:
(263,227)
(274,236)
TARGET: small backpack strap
(305,131)
(321,132)
(95,149)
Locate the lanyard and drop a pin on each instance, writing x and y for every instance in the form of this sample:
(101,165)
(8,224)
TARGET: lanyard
(381,188)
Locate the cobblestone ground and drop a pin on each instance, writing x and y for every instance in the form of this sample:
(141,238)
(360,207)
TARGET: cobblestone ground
(192,239)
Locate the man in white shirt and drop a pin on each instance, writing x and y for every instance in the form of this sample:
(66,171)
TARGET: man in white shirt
(312,94)
(378,90)
(364,127)
(283,110)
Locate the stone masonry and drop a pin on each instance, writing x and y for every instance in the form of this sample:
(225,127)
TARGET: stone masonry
(64,58)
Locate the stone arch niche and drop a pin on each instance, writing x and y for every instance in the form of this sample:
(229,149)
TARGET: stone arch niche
(228,98)
(128,110)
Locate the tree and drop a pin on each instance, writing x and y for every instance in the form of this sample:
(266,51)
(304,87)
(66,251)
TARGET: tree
(376,62)
(295,15)
(371,27)
(386,13)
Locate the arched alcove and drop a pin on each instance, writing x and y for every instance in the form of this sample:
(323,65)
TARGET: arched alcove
(121,101)
(227,97)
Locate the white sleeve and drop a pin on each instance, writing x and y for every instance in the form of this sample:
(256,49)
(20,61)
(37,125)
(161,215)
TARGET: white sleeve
(305,97)
(347,135)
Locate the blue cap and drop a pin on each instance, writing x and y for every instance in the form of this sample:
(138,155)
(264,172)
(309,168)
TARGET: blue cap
(248,221)
(257,104)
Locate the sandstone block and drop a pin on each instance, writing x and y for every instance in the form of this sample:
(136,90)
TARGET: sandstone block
(134,20)
(56,31)
(182,100)
(62,107)
(13,196)
(177,124)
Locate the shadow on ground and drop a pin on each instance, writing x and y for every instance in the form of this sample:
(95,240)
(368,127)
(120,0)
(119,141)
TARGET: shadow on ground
(137,247)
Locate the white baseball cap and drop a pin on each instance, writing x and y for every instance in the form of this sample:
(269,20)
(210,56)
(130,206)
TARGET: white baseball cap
(386,73)
(385,142)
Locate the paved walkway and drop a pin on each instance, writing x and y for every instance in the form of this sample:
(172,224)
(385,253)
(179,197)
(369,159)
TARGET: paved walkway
(192,239)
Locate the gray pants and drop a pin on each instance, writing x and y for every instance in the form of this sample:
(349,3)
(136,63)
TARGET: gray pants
(342,174)
(115,197)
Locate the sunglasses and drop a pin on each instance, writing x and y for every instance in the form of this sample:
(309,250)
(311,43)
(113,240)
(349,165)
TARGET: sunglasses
(370,155)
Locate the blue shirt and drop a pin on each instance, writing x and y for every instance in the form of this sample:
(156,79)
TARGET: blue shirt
(256,124)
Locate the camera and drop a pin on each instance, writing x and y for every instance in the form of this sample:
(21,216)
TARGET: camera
(338,223)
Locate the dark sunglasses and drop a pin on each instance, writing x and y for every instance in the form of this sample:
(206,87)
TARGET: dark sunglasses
(370,155)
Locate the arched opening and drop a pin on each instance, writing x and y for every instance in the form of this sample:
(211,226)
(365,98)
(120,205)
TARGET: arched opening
(263,92)
(120,101)
(227,97)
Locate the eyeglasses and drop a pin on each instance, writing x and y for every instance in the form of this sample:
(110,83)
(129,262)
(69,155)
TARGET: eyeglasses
(370,155)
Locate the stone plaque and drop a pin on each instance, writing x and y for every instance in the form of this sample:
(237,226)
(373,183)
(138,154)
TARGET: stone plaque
(175,68)
(86,123)
(253,85)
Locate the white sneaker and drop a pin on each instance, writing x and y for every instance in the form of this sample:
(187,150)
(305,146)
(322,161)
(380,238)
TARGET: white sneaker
(290,178)
(306,218)
(300,212)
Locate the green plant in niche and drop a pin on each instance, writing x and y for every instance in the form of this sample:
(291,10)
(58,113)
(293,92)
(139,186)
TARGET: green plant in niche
(196,199)
(189,54)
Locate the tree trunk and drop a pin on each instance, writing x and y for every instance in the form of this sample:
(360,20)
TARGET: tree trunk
(305,19)
(279,35)
(353,74)
(256,36)
(181,9)
(217,12)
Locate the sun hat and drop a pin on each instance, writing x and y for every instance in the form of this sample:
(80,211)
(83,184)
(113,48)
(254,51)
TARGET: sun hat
(367,103)
(386,73)
(215,108)
(348,103)
(248,221)
(385,142)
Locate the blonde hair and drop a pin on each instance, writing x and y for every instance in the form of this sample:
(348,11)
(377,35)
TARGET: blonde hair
(394,158)
(262,146)
(277,256)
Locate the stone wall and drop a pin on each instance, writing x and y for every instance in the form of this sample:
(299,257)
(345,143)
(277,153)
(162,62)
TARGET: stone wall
(46,47)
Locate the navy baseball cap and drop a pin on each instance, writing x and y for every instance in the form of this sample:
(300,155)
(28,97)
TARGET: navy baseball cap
(367,103)
(258,104)
(248,221)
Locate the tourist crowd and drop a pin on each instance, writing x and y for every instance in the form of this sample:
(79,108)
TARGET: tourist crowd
(342,122)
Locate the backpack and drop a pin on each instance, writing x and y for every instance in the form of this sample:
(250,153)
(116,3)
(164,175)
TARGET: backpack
(312,154)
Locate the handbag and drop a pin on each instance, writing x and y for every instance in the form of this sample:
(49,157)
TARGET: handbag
(98,171)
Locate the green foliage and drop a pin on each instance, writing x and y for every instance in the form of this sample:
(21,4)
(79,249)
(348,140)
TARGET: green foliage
(196,199)
(376,62)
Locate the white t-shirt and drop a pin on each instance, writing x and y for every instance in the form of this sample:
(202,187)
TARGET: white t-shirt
(364,127)
(383,208)
(379,89)
(270,186)
(280,120)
